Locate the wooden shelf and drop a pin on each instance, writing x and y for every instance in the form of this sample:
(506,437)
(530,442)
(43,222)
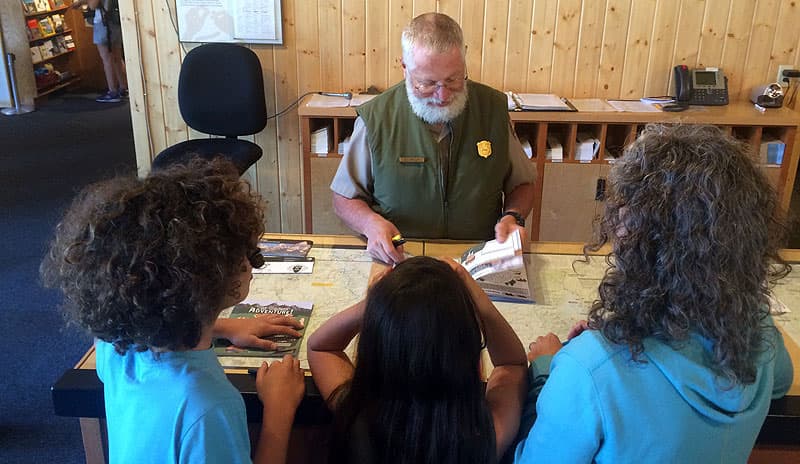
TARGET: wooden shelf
(45,13)
(568,193)
(69,31)
(53,57)
(46,90)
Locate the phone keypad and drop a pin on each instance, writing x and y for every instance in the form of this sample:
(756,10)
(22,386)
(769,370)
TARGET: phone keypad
(710,97)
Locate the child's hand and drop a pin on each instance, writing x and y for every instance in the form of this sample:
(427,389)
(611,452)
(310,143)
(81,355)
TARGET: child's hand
(280,387)
(480,298)
(247,332)
(577,329)
(544,345)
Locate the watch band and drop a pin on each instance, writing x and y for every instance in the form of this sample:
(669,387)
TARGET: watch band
(518,217)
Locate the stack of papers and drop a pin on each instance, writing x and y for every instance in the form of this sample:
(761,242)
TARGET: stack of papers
(586,148)
(633,106)
(321,140)
(526,147)
(536,102)
(554,152)
(343,145)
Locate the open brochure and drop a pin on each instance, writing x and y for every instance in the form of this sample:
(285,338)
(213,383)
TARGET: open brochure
(499,269)
(230,355)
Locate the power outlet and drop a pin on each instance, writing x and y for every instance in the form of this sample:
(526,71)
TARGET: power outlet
(781,67)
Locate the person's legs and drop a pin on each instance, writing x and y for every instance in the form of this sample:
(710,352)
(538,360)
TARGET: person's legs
(108,66)
(119,68)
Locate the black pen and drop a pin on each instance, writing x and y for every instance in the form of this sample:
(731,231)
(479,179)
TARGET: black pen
(398,240)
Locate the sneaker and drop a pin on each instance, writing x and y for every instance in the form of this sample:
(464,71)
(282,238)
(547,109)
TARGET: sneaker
(109,97)
(123,93)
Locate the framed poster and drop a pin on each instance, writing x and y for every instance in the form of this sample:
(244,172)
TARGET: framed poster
(242,21)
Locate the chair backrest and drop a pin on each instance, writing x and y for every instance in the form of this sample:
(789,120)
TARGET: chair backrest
(221,90)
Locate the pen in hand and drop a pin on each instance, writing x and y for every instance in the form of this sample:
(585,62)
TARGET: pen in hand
(398,240)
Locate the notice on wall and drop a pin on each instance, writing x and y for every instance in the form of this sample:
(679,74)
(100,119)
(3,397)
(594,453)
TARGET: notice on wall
(244,21)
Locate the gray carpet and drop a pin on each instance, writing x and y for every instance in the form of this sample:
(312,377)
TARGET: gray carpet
(45,157)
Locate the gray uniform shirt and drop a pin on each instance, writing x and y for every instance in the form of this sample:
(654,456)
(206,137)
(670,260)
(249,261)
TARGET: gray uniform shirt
(354,178)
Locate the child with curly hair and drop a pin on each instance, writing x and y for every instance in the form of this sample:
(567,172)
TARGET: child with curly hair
(146,265)
(680,358)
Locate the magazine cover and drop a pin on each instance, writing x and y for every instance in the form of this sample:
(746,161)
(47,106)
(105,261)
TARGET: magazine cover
(286,344)
(285,248)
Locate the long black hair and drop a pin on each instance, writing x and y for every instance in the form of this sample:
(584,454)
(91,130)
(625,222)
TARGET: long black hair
(416,395)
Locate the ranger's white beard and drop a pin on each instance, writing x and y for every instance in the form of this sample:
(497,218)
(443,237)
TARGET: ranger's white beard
(436,114)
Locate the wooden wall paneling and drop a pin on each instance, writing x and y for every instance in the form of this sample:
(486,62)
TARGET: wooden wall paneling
(518,42)
(495,29)
(690,25)
(329,43)
(451,8)
(713,33)
(762,34)
(659,62)
(612,58)
(354,52)
(472,18)
(306,45)
(565,47)
(151,112)
(129,17)
(377,44)
(543,36)
(787,34)
(637,51)
(423,6)
(588,59)
(737,41)
(267,176)
(296,71)
(400,14)
(169,65)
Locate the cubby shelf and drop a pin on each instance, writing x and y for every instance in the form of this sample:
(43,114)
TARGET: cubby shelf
(568,193)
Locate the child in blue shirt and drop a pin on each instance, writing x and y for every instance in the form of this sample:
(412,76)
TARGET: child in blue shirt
(146,265)
(679,359)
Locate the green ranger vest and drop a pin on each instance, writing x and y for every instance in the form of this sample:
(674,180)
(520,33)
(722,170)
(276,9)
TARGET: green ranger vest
(409,189)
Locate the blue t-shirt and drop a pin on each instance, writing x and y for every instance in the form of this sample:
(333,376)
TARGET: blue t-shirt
(179,408)
(600,406)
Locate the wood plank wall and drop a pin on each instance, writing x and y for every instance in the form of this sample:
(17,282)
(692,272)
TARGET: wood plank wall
(580,48)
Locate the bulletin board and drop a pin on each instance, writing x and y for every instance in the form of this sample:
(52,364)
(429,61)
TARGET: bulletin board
(238,21)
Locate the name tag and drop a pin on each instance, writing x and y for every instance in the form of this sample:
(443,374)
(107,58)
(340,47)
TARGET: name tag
(412,159)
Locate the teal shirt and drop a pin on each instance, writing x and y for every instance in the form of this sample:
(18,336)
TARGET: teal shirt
(599,406)
(179,408)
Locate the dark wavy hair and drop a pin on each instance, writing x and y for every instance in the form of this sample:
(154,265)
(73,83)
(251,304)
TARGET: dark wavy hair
(146,263)
(695,231)
(416,395)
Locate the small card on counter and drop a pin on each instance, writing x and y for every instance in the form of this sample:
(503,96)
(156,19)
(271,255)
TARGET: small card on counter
(286,265)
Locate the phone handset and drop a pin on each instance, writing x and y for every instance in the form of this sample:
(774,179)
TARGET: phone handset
(683,83)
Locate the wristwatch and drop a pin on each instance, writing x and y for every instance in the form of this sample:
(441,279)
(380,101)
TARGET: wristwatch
(518,217)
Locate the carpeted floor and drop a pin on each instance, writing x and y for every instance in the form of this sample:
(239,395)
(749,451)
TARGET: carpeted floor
(45,157)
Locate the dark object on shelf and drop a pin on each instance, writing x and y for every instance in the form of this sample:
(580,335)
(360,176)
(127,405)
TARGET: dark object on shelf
(767,96)
(675,107)
(220,92)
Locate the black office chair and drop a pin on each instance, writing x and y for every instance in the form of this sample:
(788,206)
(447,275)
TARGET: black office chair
(220,92)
